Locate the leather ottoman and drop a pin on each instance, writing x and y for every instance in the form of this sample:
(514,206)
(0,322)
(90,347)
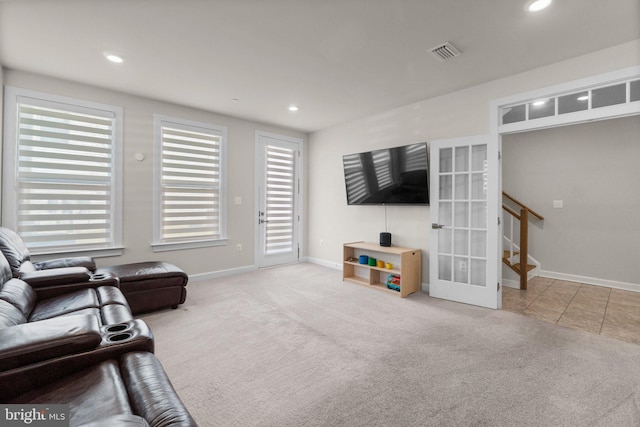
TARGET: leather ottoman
(150,285)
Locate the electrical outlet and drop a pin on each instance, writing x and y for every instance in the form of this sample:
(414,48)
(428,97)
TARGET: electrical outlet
(239,247)
(462,266)
(321,243)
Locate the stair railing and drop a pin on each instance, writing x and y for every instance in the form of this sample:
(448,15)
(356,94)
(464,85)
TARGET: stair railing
(523,219)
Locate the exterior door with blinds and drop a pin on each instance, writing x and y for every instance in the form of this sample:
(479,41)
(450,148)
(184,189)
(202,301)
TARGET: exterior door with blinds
(277,216)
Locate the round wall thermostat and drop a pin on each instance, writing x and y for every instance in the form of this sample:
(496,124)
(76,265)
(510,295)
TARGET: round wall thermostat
(139,157)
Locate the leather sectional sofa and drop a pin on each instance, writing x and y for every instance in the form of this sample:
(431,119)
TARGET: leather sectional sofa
(147,286)
(130,390)
(69,337)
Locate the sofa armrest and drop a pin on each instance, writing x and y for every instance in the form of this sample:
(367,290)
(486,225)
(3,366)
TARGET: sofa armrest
(78,261)
(29,343)
(56,277)
(151,394)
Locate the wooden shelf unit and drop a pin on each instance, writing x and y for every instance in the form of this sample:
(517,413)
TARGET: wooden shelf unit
(409,268)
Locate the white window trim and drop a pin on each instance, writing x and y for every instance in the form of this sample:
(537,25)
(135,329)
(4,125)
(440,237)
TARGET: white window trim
(157,245)
(9,164)
(593,82)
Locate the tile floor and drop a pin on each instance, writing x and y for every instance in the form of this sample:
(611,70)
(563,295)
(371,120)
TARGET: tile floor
(596,309)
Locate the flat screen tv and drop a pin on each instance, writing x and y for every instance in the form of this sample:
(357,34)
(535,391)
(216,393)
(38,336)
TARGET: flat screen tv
(391,176)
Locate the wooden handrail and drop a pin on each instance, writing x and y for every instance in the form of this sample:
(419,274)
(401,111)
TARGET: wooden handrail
(523,218)
(522,205)
(512,212)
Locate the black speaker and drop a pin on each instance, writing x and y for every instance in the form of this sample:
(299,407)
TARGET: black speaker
(385,239)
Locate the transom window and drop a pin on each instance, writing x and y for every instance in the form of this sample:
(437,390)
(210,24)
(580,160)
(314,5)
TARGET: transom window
(591,102)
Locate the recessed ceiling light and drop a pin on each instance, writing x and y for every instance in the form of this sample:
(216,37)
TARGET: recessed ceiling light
(537,5)
(293,108)
(117,59)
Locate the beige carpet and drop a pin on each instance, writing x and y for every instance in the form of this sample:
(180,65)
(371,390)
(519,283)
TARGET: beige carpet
(296,346)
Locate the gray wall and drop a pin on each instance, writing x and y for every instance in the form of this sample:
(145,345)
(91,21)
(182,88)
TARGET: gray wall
(458,114)
(138,176)
(594,168)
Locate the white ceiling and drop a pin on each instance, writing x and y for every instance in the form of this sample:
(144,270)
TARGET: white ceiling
(338,60)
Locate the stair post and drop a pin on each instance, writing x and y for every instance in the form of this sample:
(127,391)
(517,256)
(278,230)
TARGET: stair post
(524,245)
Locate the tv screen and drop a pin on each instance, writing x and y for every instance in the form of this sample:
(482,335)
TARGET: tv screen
(391,176)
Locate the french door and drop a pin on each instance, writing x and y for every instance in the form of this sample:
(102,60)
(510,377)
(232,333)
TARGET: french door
(463,259)
(278,192)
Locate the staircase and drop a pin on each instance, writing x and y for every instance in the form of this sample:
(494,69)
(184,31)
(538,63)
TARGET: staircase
(517,257)
(512,260)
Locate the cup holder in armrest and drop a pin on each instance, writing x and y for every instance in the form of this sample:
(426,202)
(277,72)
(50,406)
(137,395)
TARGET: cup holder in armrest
(98,277)
(118,327)
(122,336)
(133,334)
(118,332)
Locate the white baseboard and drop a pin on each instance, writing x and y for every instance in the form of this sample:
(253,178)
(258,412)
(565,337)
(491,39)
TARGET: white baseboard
(510,283)
(324,263)
(221,273)
(590,280)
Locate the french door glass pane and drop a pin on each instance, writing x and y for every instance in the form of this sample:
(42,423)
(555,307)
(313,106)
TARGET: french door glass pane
(445,241)
(444,267)
(478,269)
(445,213)
(478,243)
(461,272)
(479,186)
(446,160)
(462,159)
(479,158)
(462,187)
(461,242)
(478,214)
(461,218)
(446,187)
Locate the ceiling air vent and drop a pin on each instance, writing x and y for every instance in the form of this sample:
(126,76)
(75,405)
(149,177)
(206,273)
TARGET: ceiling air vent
(444,52)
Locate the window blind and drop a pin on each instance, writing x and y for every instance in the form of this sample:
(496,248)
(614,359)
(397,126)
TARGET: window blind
(64,177)
(280,200)
(190,184)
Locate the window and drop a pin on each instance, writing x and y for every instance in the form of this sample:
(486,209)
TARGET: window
(61,189)
(190,198)
(605,96)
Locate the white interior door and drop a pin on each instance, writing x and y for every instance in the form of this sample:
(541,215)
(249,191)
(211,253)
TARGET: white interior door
(278,193)
(463,255)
